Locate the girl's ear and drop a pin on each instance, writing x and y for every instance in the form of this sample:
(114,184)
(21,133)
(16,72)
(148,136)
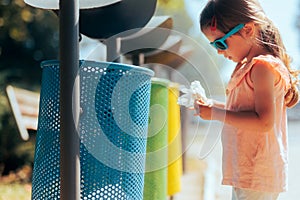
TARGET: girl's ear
(249,29)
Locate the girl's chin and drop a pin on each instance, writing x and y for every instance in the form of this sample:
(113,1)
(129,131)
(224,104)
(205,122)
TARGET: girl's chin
(231,59)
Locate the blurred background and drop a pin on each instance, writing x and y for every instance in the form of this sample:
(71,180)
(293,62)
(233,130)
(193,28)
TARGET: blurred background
(30,35)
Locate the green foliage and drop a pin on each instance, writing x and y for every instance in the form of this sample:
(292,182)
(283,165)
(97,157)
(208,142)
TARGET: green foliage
(181,21)
(171,4)
(27,36)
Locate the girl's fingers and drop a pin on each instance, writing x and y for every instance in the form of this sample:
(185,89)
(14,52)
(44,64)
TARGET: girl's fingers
(200,101)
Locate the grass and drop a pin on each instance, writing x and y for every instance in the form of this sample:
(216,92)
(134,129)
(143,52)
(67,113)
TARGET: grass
(15,191)
(17,184)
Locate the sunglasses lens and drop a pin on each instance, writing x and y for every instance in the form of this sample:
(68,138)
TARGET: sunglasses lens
(220,45)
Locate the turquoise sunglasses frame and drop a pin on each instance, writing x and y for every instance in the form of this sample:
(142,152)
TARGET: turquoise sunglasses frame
(220,42)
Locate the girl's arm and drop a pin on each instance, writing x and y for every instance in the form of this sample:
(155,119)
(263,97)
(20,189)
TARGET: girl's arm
(218,104)
(262,119)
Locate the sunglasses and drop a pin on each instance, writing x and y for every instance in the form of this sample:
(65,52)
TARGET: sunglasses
(220,42)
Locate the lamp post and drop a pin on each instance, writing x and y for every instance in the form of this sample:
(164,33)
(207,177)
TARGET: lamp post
(69,100)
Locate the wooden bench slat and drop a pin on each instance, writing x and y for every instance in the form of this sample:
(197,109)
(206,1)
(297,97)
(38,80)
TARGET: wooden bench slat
(30,122)
(29,110)
(25,107)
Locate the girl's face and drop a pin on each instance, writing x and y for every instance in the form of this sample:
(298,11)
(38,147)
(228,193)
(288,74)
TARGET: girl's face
(239,45)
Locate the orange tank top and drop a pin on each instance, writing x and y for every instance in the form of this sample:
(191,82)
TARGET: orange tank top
(256,160)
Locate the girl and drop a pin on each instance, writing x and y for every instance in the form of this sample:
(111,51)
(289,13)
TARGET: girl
(261,87)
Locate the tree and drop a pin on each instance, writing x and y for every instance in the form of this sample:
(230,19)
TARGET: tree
(27,36)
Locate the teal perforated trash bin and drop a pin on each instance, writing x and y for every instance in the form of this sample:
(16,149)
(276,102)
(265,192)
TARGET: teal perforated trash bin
(113,123)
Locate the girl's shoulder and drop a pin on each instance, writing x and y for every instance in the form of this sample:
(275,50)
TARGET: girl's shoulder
(243,68)
(273,64)
(267,59)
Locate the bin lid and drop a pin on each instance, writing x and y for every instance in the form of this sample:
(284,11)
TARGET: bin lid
(101,64)
(116,20)
(54,4)
(160,81)
(152,36)
(173,59)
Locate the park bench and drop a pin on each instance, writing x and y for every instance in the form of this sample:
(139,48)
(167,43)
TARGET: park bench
(25,107)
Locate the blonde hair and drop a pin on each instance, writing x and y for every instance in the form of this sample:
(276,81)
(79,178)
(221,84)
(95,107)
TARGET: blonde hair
(226,14)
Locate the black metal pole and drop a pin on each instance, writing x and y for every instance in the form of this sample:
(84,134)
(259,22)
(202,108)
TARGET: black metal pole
(69,100)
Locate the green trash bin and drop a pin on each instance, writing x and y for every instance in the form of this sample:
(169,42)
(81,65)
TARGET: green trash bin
(155,182)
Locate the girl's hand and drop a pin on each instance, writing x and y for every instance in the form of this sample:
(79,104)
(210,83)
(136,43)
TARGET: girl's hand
(203,110)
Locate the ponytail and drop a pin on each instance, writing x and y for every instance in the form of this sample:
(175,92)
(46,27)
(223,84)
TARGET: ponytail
(271,40)
(292,96)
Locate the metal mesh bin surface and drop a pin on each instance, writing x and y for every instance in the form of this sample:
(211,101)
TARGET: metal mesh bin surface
(113,123)
(157,143)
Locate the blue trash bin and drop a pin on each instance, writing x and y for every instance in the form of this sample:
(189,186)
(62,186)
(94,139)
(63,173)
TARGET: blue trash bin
(113,124)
